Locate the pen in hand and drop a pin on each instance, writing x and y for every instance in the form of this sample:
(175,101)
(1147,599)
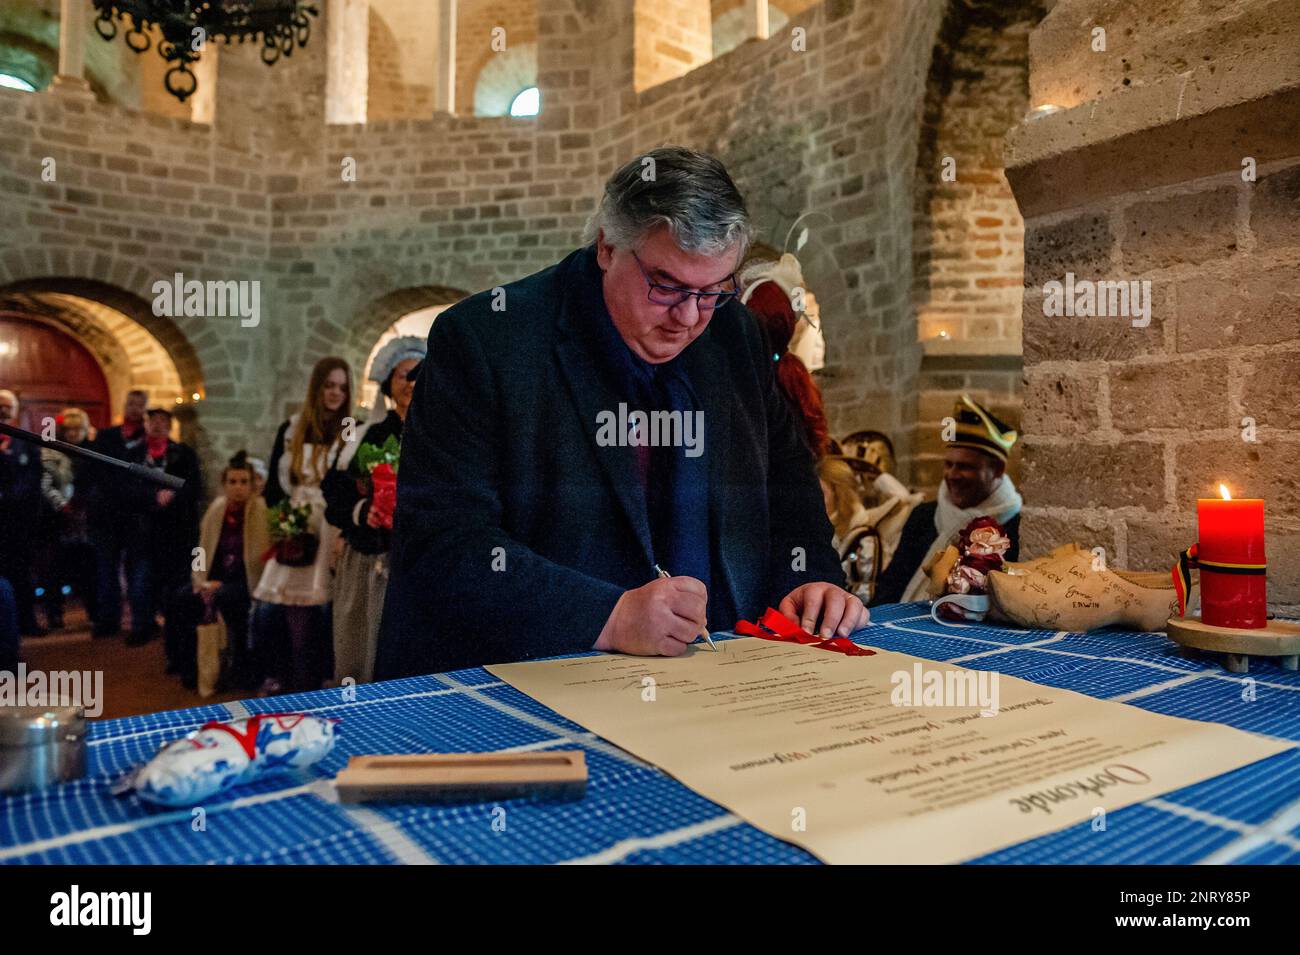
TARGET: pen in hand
(660,572)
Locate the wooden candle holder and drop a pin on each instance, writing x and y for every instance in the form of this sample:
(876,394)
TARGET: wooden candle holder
(1280,638)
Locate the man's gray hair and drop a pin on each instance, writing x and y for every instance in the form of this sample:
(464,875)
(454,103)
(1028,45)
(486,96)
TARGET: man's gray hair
(690,192)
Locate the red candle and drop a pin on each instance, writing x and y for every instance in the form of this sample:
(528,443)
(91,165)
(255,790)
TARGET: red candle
(1230,553)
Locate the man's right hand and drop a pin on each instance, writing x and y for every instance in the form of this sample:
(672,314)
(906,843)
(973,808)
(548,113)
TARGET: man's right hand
(660,619)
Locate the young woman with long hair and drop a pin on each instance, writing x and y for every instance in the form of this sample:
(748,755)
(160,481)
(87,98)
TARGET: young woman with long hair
(296,581)
(771,306)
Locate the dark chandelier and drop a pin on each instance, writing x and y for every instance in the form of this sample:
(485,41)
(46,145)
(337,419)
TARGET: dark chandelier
(280,24)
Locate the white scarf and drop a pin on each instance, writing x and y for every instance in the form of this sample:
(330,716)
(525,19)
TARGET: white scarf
(949,519)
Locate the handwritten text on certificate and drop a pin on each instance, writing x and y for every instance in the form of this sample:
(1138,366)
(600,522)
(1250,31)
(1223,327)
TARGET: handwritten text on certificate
(825,751)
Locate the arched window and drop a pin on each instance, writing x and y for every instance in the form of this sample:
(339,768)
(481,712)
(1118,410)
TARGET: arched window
(527,103)
(507,83)
(729,28)
(11,82)
(415,323)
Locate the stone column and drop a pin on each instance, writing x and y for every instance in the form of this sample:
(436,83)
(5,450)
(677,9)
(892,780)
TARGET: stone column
(72,46)
(347,75)
(444,80)
(203,104)
(756,27)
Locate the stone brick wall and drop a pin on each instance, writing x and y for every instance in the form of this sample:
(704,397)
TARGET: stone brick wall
(475,20)
(401,60)
(462,203)
(968,245)
(673,37)
(1127,426)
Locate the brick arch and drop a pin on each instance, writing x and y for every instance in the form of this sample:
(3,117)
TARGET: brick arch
(57,290)
(967,235)
(108,350)
(382,312)
(946,234)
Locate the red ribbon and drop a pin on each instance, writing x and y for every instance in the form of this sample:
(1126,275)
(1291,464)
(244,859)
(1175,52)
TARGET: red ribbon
(777,626)
(248,738)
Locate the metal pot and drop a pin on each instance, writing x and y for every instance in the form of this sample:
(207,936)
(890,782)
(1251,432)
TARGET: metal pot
(40,746)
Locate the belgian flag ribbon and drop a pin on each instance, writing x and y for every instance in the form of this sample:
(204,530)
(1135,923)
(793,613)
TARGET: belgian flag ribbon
(1182,574)
(1190,558)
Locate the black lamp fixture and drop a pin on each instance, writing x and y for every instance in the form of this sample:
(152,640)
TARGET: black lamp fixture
(187,25)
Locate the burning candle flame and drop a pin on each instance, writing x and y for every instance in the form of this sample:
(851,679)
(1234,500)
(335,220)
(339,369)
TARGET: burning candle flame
(1223,489)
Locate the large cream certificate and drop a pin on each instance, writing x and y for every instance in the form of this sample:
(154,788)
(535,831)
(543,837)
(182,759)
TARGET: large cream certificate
(870,759)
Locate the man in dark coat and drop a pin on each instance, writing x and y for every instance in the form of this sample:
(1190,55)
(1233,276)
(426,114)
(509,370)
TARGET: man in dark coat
(107,516)
(20,506)
(610,414)
(165,530)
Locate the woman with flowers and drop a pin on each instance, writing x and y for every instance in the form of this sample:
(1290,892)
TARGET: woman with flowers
(296,580)
(359,495)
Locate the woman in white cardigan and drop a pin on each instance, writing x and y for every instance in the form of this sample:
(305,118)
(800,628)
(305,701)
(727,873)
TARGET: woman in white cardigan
(306,447)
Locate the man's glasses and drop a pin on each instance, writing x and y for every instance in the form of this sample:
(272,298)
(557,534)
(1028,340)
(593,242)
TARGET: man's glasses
(672,295)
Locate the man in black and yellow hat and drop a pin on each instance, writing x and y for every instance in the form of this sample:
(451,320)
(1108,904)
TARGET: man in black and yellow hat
(975,484)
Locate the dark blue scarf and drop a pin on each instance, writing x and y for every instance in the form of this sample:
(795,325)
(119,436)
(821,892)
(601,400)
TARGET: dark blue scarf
(677,493)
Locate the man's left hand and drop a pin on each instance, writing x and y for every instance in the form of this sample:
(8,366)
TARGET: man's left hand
(840,611)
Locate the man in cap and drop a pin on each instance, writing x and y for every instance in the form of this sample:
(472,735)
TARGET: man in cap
(975,484)
(616,412)
(166,529)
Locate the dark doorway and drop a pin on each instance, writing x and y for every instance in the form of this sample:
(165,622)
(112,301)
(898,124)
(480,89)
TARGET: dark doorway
(50,370)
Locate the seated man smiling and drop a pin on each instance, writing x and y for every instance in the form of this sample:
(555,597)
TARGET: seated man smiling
(528,526)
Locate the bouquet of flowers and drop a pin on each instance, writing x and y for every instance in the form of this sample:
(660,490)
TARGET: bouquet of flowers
(293,543)
(378,464)
(980,547)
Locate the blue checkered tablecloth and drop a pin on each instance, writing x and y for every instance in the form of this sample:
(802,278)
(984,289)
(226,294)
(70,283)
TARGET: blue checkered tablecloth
(632,812)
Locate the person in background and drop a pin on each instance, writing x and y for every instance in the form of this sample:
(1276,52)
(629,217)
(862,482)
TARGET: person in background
(867,523)
(873,450)
(109,519)
(886,501)
(20,505)
(768,291)
(9,638)
(67,561)
(366,521)
(808,343)
(855,540)
(306,447)
(159,553)
(233,537)
(975,484)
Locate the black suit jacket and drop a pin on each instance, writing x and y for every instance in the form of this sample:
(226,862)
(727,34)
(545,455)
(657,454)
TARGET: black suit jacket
(515,533)
(339,486)
(20,502)
(106,490)
(170,532)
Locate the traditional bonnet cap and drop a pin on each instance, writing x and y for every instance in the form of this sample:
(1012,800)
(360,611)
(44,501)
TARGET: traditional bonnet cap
(258,466)
(977,428)
(785,272)
(396,350)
